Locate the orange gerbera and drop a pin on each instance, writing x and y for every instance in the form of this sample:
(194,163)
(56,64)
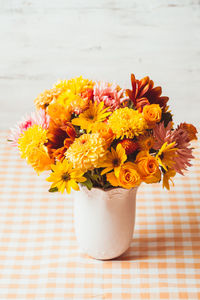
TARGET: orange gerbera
(143,92)
(60,137)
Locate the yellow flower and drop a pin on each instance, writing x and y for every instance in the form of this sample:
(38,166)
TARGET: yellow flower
(74,89)
(76,85)
(166,155)
(32,147)
(148,167)
(65,177)
(152,114)
(93,115)
(114,160)
(33,137)
(127,122)
(61,85)
(167,177)
(87,151)
(145,142)
(128,176)
(45,98)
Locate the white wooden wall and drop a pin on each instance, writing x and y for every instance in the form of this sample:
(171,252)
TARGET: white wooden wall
(45,40)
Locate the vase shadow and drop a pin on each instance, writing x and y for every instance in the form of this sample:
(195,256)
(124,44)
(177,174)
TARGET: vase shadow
(161,246)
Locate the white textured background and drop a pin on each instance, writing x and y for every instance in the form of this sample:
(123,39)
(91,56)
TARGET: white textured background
(45,40)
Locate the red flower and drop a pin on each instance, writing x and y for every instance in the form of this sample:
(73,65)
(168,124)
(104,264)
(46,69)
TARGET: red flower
(143,93)
(60,137)
(129,145)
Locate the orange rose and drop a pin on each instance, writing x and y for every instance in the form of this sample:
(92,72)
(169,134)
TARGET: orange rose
(128,176)
(152,114)
(148,167)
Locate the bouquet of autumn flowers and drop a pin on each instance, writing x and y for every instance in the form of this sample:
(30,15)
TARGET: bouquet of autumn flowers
(99,135)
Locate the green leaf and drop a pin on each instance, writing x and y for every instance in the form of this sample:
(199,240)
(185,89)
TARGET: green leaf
(96,177)
(88,184)
(53,190)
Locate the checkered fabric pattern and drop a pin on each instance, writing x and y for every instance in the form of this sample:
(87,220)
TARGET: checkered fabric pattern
(39,258)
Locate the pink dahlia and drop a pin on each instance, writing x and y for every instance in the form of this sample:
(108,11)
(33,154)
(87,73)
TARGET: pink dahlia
(37,118)
(111,94)
(164,134)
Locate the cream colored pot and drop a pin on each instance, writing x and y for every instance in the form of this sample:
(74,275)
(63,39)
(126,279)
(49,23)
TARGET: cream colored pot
(104,221)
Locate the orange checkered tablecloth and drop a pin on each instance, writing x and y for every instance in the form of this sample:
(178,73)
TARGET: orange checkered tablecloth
(39,258)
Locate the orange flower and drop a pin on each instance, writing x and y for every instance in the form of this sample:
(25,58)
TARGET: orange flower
(59,113)
(144,88)
(60,137)
(141,103)
(45,98)
(129,145)
(146,142)
(104,131)
(190,129)
(39,160)
(152,114)
(148,167)
(128,176)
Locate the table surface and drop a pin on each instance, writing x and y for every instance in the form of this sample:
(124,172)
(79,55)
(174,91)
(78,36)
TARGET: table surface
(39,257)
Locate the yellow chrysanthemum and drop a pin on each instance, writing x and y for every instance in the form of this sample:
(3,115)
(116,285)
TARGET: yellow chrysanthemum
(145,142)
(32,148)
(87,152)
(126,122)
(61,85)
(93,115)
(73,89)
(77,84)
(65,177)
(166,155)
(114,160)
(45,98)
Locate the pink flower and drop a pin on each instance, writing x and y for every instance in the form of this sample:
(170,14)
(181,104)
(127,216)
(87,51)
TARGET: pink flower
(178,135)
(37,118)
(41,118)
(161,134)
(112,95)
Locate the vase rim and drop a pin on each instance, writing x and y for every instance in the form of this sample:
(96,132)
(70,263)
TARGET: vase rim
(109,189)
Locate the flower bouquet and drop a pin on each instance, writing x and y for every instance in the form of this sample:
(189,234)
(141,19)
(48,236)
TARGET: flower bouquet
(98,136)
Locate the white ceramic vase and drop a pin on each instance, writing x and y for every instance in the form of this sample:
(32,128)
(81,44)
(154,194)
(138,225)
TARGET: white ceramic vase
(104,221)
